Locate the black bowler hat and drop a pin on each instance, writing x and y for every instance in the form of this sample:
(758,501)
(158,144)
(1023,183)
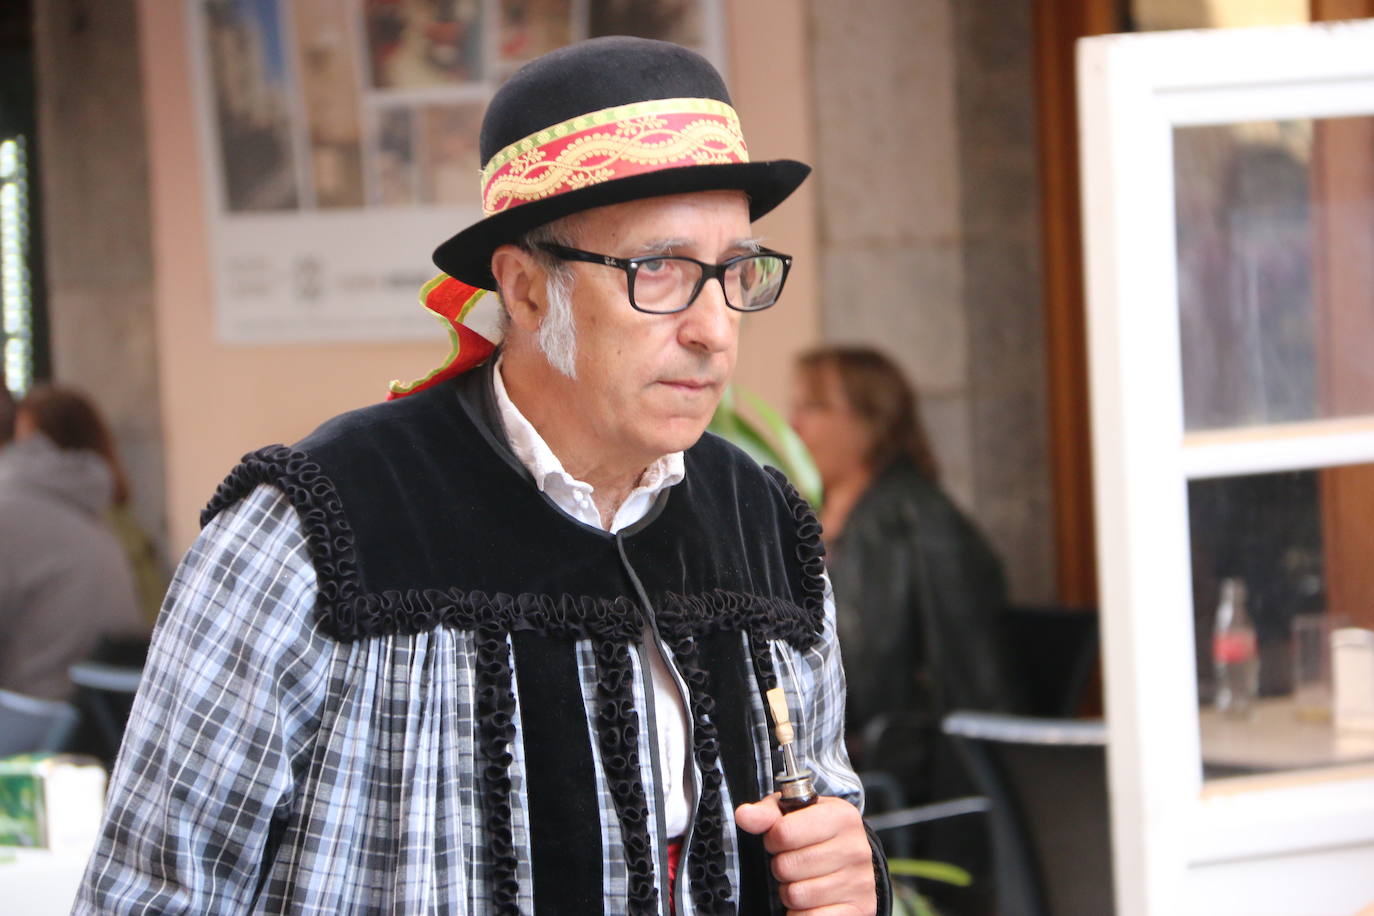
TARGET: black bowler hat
(603,122)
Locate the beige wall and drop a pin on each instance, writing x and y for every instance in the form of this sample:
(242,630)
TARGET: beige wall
(219,401)
(769,77)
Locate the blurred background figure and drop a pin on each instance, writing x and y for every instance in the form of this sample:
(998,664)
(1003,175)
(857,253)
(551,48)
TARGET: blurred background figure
(70,421)
(918,590)
(64,581)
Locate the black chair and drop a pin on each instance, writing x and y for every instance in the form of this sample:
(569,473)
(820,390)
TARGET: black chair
(1051,651)
(104,694)
(1046,782)
(887,812)
(104,685)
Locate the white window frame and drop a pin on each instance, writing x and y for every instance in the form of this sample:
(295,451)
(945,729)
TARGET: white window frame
(1180,847)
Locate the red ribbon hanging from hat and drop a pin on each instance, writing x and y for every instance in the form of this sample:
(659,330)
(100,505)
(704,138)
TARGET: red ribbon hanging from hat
(461,307)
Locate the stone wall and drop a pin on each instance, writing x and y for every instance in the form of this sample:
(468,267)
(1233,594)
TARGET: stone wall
(929,232)
(97,233)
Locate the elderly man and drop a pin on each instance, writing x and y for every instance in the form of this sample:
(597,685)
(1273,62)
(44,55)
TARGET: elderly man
(501,645)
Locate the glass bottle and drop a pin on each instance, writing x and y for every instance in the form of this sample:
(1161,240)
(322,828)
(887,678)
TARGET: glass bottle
(1235,653)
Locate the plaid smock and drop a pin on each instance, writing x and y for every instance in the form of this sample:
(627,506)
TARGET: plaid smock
(258,769)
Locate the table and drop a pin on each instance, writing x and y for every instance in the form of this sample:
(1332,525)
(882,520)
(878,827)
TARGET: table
(1277,738)
(37,882)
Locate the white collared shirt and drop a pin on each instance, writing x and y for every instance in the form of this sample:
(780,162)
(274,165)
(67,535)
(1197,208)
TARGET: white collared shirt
(574,497)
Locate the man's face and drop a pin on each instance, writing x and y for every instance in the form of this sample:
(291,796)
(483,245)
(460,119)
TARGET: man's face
(647,385)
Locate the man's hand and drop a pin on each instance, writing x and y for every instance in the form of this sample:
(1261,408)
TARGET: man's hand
(821,856)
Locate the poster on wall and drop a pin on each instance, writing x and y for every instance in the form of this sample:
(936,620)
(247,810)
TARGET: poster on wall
(340,143)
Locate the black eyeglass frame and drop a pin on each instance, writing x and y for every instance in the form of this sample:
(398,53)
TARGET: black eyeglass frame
(708,272)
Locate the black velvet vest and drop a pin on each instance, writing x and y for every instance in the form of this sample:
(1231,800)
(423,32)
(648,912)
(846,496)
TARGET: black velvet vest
(417,516)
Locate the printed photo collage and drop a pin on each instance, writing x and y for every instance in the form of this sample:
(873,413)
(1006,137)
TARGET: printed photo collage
(346,104)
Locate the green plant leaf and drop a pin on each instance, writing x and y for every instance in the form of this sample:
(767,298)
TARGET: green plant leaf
(906,901)
(754,445)
(767,438)
(932,871)
(796,459)
(725,422)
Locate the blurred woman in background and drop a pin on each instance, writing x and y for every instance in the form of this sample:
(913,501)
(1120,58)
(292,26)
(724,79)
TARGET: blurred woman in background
(64,584)
(918,589)
(72,423)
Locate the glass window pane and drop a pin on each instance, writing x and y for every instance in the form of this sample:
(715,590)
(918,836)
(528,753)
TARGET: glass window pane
(1263,642)
(16,292)
(1275,234)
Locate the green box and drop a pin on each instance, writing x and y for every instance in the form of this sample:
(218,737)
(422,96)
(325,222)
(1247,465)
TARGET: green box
(21,803)
(50,800)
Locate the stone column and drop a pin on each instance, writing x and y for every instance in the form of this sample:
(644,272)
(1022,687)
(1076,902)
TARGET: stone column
(929,232)
(96,228)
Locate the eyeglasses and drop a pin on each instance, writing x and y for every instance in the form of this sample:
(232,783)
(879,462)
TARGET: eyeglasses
(661,284)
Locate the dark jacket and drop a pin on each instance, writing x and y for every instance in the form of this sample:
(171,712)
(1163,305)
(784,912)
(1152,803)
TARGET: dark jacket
(918,593)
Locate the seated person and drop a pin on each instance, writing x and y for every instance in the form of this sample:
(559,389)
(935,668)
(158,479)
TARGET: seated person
(918,589)
(71,421)
(64,582)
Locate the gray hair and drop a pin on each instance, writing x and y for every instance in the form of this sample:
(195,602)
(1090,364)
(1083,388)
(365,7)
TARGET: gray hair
(557,335)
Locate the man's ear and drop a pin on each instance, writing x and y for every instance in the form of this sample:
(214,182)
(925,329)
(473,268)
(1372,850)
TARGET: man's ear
(521,282)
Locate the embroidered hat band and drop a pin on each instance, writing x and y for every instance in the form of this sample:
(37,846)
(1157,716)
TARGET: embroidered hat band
(610,144)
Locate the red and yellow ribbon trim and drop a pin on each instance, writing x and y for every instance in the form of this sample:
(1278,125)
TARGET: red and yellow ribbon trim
(609,144)
(472,318)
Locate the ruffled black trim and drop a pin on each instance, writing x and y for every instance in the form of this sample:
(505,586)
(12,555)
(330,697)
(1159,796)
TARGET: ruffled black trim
(348,613)
(617,729)
(709,880)
(685,617)
(810,550)
(496,733)
(682,616)
(419,611)
(760,651)
(329,538)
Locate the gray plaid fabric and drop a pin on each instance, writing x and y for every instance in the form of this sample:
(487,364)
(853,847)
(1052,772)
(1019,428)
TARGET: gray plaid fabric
(269,769)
